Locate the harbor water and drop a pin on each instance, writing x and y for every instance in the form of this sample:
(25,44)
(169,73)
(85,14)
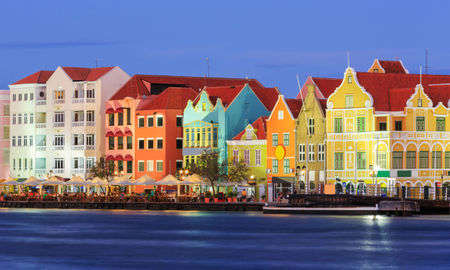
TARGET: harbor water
(103,239)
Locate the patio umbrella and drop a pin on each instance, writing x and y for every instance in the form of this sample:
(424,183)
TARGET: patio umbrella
(76,180)
(121,181)
(97,181)
(169,180)
(10,182)
(53,181)
(145,180)
(31,181)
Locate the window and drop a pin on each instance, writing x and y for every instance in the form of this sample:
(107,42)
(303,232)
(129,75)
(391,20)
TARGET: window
(20,97)
(111,143)
(159,166)
(31,98)
(78,139)
(58,95)
(59,117)
(159,143)
(41,140)
(25,140)
(120,143)
(25,96)
(120,165)
(339,161)
(90,139)
(280,115)
(59,140)
(150,166)
(286,166)
(337,125)
(31,140)
(419,102)
(120,119)
(141,166)
(159,121)
(89,163)
(349,101)
(361,160)
(382,160)
(436,161)
(78,93)
(274,166)
(6,155)
(78,116)
(150,144)
(78,163)
(274,139)
(440,124)
(301,152)
(321,154)
(410,159)
(128,110)
(90,116)
(179,143)
(150,121)
(258,157)
(420,123)
(14,164)
(286,139)
(447,160)
(236,156)
(111,119)
(179,120)
(361,124)
(58,163)
(31,164)
(6,109)
(247,157)
(129,142)
(25,163)
(311,152)
(31,118)
(141,121)
(5,132)
(179,164)
(398,125)
(129,166)
(203,106)
(141,144)
(397,160)
(19,118)
(14,97)
(14,119)
(249,134)
(90,93)
(349,79)
(20,164)
(13,141)
(19,141)
(311,126)
(382,126)
(423,159)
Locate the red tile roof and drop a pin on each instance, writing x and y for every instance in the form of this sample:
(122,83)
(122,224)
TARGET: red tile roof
(225,93)
(439,93)
(86,74)
(140,85)
(325,87)
(393,66)
(295,105)
(400,95)
(268,96)
(259,127)
(323,105)
(39,77)
(170,99)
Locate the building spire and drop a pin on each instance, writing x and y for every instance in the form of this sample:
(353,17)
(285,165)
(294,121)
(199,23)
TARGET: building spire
(348,59)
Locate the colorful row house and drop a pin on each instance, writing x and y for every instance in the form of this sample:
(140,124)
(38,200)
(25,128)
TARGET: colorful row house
(220,113)
(4,133)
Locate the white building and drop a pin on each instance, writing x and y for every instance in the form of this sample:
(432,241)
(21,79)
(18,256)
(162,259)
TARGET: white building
(58,119)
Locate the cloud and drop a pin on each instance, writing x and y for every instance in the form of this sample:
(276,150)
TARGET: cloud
(54,44)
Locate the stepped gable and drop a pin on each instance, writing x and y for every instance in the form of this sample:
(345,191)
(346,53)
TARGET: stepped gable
(259,125)
(40,77)
(393,66)
(173,98)
(140,85)
(86,74)
(295,105)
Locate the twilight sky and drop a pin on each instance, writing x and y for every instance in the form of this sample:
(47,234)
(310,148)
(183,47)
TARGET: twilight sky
(271,41)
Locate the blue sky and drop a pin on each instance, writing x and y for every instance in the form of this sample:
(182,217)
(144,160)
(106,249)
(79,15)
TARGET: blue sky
(271,41)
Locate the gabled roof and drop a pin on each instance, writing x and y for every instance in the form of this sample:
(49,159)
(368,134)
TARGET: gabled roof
(225,93)
(140,85)
(324,87)
(86,74)
(294,105)
(259,126)
(439,93)
(172,98)
(393,66)
(40,77)
(268,96)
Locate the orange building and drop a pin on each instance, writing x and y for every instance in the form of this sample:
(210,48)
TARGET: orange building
(159,133)
(281,127)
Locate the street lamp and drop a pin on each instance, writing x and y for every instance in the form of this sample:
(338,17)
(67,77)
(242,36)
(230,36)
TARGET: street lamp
(375,169)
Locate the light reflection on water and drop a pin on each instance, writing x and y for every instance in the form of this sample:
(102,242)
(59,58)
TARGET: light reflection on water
(122,239)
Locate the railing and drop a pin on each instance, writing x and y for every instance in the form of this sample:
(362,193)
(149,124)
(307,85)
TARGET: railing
(77,147)
(59,101)
(90,124)
(79,171)
(90,100)
(40,171)
(58,171)
(41,102)
(58,124)
(41,125)
(41,148)
(78,100)
(90,147)
(78,124)
(58,147)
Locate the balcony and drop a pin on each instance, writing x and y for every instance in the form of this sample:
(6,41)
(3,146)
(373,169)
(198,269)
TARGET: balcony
(41,171)
(90,100)
(59,101)
(41,102)
(79,171)
(58,124)
(90,147)
(78,100)
(78,147)
(41,148)
(90,124)
(78,124)
(41,125)
(58,171)
(58,147)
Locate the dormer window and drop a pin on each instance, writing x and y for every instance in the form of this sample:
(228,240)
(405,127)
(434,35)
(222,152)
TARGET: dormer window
(248,134)
(203,106)
(375,70)
(349,101)
(349,79)
(419,102)
(280,115)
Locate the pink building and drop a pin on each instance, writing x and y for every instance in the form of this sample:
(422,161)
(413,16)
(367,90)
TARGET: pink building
(4,134)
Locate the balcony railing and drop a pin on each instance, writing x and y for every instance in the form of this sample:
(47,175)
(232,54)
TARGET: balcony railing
(41,125)
(40,171)
(90,147)
(41,102)
(77,147)
(90,100)
(90,124)
(83,100)
(58,171)
(58,124)
(79,171)
(58,147)
(41,148)
(78,124)
(59,101)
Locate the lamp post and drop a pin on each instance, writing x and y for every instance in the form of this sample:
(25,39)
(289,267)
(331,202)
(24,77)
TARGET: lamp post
(253,183)
(303,172)
(183,174)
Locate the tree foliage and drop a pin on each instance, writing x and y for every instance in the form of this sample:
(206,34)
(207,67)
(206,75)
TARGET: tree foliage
(238,171)
(208,166)
(103,169)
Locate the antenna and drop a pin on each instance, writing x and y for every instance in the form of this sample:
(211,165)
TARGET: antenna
(96,62)
(426,61)
(303,104)
(207,61)
(348,59)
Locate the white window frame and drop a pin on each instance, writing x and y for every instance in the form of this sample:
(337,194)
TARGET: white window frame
(150,166)
(311,152)
(280,115)
(301,152)
(321,152)
(141,162)
(247,157)
(258,157)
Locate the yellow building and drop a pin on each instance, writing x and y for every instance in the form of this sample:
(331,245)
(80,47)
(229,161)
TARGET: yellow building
(385,130)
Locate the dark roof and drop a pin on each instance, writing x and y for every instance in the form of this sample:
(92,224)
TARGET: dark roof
(140,85)
(295,105)
(172,98)
(259,125)
(393,66)
(41,76)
